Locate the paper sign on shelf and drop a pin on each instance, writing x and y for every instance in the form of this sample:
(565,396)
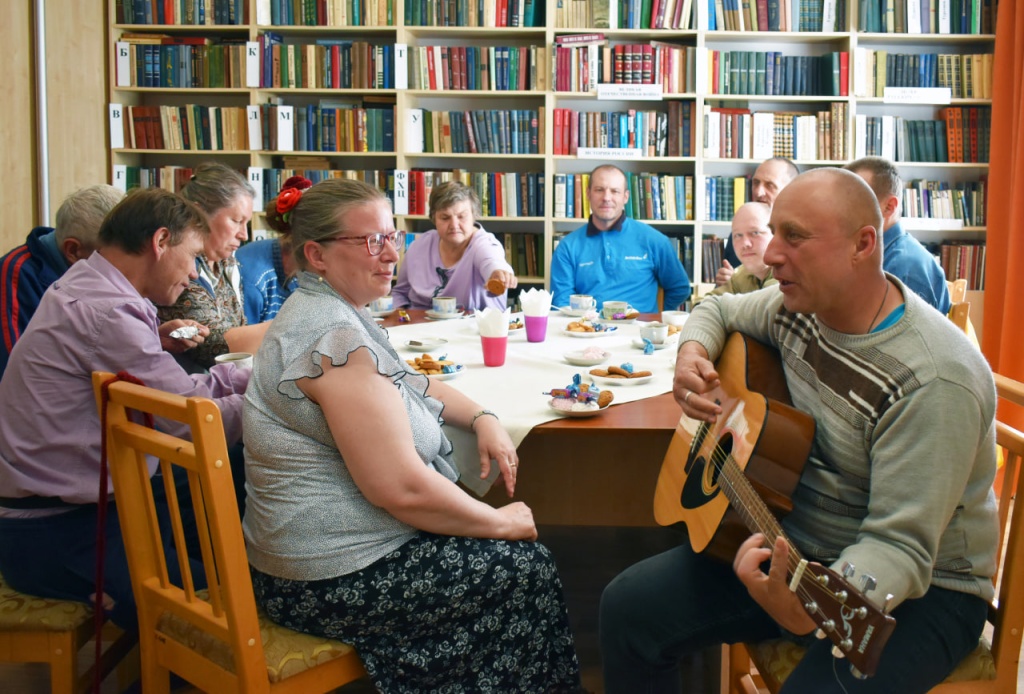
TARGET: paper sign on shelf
(633,92)
(254,120)
(116,126)
(119,179)
(917,95)
(255,175)
(124,64)
(401,66)
(252,64)
(608,153)
(401,191)
(286,128)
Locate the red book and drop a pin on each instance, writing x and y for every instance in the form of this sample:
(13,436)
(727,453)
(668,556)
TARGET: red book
(656,7)
(844,73)
(499,208)
(714,72)
(646,64)
(973,129)
(559,116)
(138,121)
(467,118)
(620,64)
(502,14)
(574,132)
(762,15)
(460,52)
(335,67)
(431,68)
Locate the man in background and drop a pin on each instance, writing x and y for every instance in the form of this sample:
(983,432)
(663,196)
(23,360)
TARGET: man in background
(903,256)
(770,177)
(750,238)
(614,257)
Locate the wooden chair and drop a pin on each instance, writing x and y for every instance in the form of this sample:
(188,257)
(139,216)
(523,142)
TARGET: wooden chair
(216,639)
(957,290)
(42,630)
(991,668)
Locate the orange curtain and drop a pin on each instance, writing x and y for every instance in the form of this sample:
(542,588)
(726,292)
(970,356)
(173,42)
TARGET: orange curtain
(1003,333)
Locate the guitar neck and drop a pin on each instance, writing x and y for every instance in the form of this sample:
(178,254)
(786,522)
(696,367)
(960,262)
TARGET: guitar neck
(745,500)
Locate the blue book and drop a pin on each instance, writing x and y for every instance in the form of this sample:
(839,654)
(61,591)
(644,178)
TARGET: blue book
(570,196)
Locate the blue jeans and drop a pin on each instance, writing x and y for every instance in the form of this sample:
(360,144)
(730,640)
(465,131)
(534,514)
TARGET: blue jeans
(679,602)
(55,556)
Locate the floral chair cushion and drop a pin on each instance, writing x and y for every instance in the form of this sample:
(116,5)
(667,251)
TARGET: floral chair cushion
(21,612)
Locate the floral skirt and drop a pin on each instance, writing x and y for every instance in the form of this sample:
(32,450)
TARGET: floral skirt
(442,614)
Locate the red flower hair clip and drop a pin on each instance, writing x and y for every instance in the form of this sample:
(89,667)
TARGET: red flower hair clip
(291,193)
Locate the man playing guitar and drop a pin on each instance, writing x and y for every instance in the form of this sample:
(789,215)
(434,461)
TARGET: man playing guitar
(896,492)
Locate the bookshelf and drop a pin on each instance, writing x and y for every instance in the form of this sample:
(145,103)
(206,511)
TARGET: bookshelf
(524,113)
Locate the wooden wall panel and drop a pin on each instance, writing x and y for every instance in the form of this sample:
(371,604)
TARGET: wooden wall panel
(17,144)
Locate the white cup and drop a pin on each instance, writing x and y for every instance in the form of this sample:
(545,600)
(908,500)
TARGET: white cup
(655,332)
(610,309)
(582,302)
(444,304)
(385,303)
(676,318)
(239,359)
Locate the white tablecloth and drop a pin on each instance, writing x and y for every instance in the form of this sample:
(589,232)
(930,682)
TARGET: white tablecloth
(515,391)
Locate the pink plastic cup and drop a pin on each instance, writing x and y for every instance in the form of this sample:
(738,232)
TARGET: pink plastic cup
(494,350)
(536,328)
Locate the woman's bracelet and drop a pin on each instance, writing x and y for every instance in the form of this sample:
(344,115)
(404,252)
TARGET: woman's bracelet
(478,415)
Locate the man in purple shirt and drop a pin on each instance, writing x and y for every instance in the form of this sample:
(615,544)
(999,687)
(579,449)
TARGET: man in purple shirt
(98,317)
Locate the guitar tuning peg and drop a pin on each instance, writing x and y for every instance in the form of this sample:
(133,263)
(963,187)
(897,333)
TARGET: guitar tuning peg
(887,607)
(819,634)
(838,652)
(867,583)
(848,569)
(857,673)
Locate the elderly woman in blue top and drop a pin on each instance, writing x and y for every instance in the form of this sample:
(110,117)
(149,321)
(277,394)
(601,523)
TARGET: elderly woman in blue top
(214,298)
(614,257)
(354,526)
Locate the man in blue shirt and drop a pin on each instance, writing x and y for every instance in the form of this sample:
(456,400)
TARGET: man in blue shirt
(268,277)
(28,270)
(617,258)
(903,255)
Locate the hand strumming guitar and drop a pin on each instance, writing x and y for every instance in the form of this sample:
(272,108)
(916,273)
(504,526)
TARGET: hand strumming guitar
(695,374)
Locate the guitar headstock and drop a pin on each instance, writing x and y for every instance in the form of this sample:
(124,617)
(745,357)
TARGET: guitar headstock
(857,627)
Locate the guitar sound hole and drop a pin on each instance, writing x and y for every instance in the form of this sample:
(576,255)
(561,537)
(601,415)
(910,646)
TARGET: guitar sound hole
(701,484)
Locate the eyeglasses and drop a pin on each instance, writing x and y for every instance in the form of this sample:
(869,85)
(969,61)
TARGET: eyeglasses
(374,242)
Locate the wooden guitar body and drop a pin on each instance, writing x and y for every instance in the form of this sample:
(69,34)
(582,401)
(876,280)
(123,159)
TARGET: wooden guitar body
(761,430)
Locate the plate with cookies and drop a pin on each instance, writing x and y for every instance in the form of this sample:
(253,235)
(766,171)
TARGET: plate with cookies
(623,375)
(440,368)
(586,328)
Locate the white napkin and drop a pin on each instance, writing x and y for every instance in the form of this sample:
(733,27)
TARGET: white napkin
(535,302)
(492,322)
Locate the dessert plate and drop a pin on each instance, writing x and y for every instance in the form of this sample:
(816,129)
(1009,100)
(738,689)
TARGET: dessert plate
(608,381)
(434,315)
(459,368)
(426,342)
(576,358)
(580,413)
(639,343)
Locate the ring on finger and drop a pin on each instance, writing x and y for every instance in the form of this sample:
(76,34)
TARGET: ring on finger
(686,398)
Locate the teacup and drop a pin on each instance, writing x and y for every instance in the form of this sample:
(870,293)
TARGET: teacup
(676,318)
(610,309)
(582,302)
(239,359)
(655,332)
(445,304)
(385,303)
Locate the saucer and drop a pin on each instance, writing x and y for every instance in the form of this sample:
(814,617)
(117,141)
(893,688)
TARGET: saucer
(422,344)
(574,312)
(576,358)
(606,381)
(620,321)
(434,315)
(580,333)
(638,342)
(581,413)
(459,368)
(382,314)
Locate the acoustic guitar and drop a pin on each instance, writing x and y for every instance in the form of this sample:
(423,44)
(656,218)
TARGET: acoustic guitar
(730,478)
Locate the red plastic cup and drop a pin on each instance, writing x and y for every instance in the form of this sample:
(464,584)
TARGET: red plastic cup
(536,328)
(494,350)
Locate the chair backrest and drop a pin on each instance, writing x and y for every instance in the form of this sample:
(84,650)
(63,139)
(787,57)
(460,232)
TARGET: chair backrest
(229,614)
(957,290)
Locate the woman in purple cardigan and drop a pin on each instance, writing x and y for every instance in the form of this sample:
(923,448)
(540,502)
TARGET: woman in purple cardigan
(457,258)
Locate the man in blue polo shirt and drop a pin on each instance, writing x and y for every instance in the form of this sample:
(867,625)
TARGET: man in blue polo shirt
(903,255)
(615,257)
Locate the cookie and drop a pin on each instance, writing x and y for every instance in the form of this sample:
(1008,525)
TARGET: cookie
(495,286)
(598,372)
(618,371)
(605,398)
(640,374)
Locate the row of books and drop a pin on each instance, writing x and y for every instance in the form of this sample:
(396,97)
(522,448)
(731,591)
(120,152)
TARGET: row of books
(654,133)
(208,12)
(712,252)
(626,14)
(772,73)
(965,201)
(960,136)
(581,62)
(325,12)
(968,75)
(962,260)
(501,194)
(325,64)
(188,127)
(481,131)
(325,127)
(474,13)
(928,16)
(723,195)
(525,253)
(777,15)
(495,68)
(182,62)
(738,133)
(653,196)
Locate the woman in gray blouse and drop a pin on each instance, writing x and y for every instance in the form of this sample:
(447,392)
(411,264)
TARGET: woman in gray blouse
(356,529)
